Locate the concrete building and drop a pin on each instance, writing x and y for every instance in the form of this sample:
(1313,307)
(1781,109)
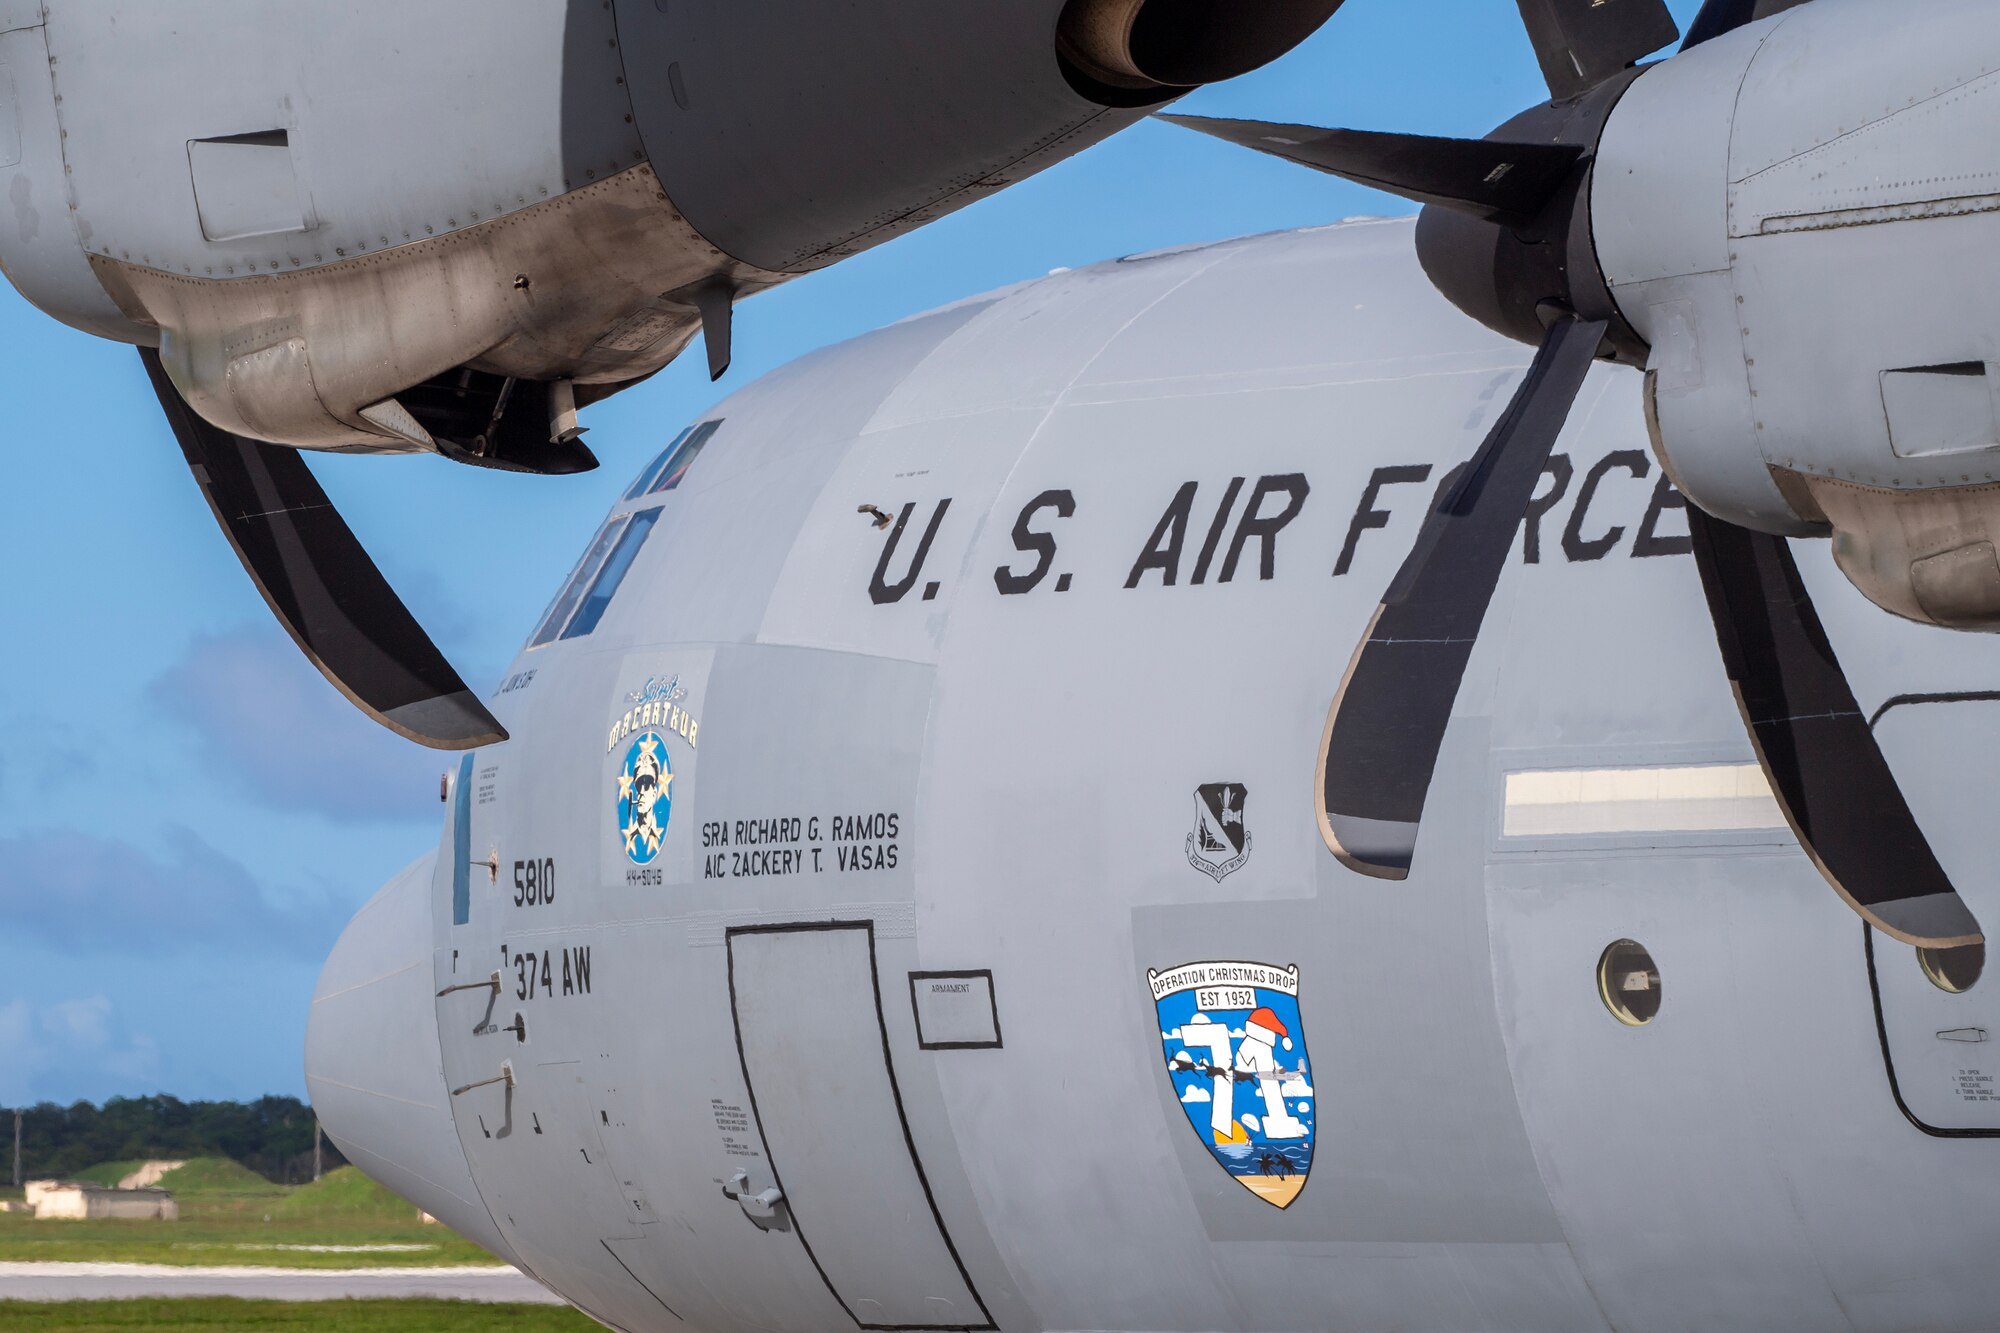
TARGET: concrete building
(64,1201)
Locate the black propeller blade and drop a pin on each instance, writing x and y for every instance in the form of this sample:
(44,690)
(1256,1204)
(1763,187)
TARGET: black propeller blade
(1581,43)
(1508,183)
(1813,741)
(1389,716)
(321,585)
(1505,236)
(1718,17)
(1722,16)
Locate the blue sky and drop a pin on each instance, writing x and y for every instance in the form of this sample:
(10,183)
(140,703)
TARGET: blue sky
(188,813)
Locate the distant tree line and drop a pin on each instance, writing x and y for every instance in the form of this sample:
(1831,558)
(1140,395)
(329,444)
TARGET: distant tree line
(273,1136)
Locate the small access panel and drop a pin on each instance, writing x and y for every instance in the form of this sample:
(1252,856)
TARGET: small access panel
(822,1084)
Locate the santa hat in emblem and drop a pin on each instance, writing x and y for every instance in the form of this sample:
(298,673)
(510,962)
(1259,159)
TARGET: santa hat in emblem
(1267,1020)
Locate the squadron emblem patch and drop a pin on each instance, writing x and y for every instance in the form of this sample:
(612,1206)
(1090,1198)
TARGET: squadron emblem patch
(645,777)
(1235,1054)
(1219,843)
(645,798)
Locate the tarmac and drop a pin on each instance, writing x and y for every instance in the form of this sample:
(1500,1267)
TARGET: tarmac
(111,1282)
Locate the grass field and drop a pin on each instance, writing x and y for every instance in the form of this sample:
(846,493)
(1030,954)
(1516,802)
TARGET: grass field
(231,1215)
(107,1173)
(232,1316)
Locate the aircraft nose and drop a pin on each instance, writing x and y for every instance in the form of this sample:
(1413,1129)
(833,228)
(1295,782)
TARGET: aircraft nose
(373,1068)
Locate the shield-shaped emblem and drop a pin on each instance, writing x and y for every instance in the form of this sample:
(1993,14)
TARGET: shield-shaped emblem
(1220,842)
(1235,1053)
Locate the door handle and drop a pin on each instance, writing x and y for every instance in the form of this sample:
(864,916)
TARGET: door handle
(492,981)
(765,1208)
(506,1075)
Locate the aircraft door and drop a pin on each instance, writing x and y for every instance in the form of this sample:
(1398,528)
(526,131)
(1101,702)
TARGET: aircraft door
(1938,1013)
(816,1058)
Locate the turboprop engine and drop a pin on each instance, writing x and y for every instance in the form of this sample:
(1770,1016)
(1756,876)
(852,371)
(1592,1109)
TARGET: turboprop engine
(1790,226)
(1802,224)
(445,227)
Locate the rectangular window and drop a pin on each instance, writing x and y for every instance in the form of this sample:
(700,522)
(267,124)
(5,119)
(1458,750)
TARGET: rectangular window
(1544,803)
(605,586)
(665,472)
(572,590)
(656,467)
(681,457)
(461,844)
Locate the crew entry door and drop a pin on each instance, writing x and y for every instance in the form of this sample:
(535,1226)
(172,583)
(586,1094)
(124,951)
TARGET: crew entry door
(1938,1011)
(815,1050)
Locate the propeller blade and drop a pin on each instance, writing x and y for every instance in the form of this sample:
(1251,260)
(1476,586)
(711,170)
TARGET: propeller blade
(1718,17)
(1508,183)
(1581,43)
(321,585)
(1723,16)
(1389,716)
(1813,741)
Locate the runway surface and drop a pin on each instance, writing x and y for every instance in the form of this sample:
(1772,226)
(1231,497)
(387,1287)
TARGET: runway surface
(100,1282)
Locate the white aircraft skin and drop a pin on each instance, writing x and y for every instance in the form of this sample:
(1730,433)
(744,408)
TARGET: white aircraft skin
(992,767)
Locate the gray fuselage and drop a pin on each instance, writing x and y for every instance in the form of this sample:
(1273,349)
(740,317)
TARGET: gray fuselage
(882,1032)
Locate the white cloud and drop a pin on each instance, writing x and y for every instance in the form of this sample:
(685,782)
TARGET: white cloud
(80,1035)
(1195,1093)
(270,723)
(175,893)
(137,1062)
(78,1023)
(1295,1087)
(16,1031)
(20,1057)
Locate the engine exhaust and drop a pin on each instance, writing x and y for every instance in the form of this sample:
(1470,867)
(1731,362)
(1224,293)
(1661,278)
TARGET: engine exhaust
(1147,45)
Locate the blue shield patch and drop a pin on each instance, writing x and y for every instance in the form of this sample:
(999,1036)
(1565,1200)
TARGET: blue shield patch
(1235,1054)
(645,797)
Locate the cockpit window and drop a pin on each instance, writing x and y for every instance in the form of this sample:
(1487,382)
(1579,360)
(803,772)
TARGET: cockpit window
(564,605)
(682,457)
(605,585)
(654,468)
(672,464)
(580,605)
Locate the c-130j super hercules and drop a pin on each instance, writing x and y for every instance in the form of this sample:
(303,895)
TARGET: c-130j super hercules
(800,961)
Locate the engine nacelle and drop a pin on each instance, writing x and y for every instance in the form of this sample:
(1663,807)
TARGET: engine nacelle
(377,227)
(1802,219)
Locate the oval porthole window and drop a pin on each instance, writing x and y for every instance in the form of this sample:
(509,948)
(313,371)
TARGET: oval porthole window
(1954,970)
(1628,983)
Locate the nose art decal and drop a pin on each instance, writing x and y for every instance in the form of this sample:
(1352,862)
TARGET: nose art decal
(645,798)
(1235,1055)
